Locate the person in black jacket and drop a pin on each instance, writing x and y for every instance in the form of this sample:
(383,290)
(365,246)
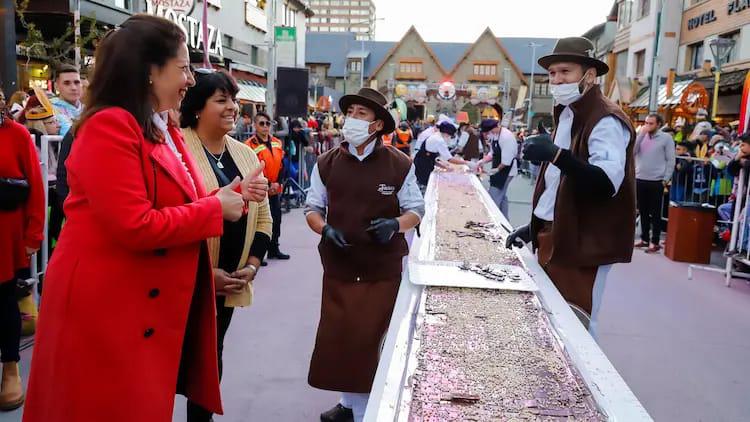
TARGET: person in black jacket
(62,172)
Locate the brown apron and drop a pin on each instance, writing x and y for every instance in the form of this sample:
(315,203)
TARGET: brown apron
(354,317)
(575,284)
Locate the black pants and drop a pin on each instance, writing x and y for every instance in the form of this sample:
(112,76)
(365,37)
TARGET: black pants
(649,194)
(56,215)
(10,323)
(195,413)
(274,202)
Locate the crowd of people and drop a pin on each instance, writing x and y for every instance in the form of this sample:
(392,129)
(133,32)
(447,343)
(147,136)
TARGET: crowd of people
(172,198)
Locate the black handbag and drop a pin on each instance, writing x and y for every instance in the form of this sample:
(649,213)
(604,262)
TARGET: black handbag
(13,193)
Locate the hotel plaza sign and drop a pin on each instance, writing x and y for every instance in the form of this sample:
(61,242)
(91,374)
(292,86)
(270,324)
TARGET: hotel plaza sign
(178,11)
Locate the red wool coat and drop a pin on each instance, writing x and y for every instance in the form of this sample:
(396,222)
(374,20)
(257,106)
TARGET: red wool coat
(25,226)
(117,298)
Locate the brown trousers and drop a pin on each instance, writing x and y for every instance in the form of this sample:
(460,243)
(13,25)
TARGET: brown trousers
(575,284)
(354,317)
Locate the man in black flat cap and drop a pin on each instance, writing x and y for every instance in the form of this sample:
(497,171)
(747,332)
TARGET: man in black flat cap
(583,216)
(362,199)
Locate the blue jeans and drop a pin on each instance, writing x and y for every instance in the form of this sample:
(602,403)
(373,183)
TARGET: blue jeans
(500,196)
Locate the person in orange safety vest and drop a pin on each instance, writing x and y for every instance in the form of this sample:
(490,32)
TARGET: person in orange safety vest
(270,150)
(403,138)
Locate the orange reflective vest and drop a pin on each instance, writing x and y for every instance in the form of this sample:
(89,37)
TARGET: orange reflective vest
(403,138)
(388,139)
(272,157)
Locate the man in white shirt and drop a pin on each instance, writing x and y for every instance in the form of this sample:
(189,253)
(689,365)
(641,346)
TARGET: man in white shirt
(584,203)
(504,149)
(433,148)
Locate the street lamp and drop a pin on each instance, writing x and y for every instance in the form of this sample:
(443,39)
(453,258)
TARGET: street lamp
(315,81)
(721,48)
(362,49)
(531,86)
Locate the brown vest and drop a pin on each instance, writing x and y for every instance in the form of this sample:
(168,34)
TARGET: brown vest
(590,231)
(359,192)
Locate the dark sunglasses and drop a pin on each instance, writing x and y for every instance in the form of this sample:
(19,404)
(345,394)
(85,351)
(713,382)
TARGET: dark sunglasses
(264,123)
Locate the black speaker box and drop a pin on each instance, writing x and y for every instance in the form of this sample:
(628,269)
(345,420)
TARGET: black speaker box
(291,91)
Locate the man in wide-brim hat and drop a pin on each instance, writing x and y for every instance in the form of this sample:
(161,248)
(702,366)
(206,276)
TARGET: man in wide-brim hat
(583,218)
(362,199)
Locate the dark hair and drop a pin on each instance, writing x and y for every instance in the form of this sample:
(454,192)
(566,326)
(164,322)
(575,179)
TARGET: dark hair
(262,114)
(206,85)
(657,116)
(65,68)
(123,65)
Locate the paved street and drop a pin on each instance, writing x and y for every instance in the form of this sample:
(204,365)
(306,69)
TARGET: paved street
(682,345)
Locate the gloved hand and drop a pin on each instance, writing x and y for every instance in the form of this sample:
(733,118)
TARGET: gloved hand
(334,236)
(538,149)
(518,237)
(383,229)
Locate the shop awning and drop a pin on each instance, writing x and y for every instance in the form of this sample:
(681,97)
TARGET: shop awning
(662,100)
(251,91)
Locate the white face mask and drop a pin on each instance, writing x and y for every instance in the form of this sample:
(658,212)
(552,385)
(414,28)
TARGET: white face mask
(567,94)
(356,131)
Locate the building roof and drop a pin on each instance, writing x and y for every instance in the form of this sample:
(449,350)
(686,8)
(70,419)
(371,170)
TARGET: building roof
(332,48)
(449,53)
(521,53)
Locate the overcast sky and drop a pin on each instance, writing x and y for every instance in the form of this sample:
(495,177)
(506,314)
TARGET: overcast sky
(464,20)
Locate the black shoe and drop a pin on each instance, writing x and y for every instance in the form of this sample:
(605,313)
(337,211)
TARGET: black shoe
(338,413)
(277,254)
(263,263)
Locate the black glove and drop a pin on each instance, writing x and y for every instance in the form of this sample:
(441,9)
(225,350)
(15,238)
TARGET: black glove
(518,237)
(539,149)
(336,237)
(383,229)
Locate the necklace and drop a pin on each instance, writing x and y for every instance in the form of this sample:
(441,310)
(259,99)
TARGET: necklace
(218,160)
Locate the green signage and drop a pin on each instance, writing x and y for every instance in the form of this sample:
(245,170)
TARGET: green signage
(285,33)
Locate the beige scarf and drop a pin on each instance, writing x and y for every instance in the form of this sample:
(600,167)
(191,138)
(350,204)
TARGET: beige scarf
(258,215)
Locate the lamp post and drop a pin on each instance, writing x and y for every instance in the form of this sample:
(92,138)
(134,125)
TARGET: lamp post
(721,48)
(653,98)
(362,49)
(315,80)
(531,85)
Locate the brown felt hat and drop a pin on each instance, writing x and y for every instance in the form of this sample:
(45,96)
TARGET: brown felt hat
(373,100)
(576,50)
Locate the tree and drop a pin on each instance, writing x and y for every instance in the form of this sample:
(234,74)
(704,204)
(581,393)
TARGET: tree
(53,50)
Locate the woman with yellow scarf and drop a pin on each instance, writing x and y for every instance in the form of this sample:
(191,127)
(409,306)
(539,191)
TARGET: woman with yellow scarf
(207,115)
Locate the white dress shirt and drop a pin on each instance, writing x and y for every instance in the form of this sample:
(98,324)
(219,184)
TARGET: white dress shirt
(409,196)
(423,135)
(607,150)
(509,147)
(160,120)
(436,144)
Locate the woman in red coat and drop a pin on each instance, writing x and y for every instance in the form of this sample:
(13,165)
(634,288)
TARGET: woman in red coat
(21,232)
(128,316)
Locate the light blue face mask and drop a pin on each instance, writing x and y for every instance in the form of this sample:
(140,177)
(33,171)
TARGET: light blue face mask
(567,94)
(356,131)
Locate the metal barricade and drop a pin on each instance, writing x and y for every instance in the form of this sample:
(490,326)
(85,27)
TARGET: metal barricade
(40,259)
(700,181)
(738,250)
